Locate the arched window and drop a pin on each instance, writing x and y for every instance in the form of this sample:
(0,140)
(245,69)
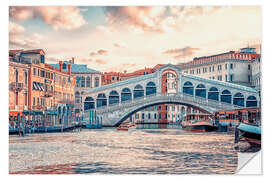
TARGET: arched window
(238,99)
(226,96)
(113,97)
(213,93)
(188,88)
(82,81)
(96,82)
(101,100)
(251,101)
(138,91)
(88,81)
(151,88)
(200,91)
(125,94)
(89,103)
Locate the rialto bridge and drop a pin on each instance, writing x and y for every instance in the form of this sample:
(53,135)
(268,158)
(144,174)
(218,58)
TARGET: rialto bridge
(115,102)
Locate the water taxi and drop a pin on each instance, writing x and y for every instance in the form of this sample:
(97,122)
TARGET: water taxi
(198,122)
(249,127)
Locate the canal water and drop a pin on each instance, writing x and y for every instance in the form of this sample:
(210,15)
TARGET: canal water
(150,149)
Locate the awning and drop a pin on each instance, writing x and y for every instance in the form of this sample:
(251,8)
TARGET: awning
(15,113)
(35,86)
(33,112)
(51,113)
(229,112)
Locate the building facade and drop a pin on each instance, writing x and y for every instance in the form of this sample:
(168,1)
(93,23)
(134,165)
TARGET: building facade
(48,97)
(86,78)
(233,67)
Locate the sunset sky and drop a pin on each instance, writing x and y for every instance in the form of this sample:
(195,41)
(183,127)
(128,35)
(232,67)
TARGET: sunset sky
(129,38)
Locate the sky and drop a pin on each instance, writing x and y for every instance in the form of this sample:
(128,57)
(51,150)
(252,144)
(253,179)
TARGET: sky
(128,38)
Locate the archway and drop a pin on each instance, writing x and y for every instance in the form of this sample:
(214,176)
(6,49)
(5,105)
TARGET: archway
(113,97)
(188,88)
(137,109)
(226,96)
(138,91)
(213,94)
(200,91)
(126,95)
(101,100)
(151,88)
(89,103)
(238,99)
(251,101)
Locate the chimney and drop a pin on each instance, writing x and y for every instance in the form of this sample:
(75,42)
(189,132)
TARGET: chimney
(72,61)
(69,69)
(60,66)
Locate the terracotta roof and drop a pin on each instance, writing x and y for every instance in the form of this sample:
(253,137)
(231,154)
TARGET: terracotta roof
(34,50)
(15,51)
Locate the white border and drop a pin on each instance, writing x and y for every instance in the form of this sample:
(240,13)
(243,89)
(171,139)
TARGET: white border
(4,69)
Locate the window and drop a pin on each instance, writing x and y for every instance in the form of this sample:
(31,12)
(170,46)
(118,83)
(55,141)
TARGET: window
(220,78)
(17,98)
(155,108)
(249,67)
(159,107)
(82,81)
(38,72)
(155,116)
(149,116)
(142,115)
(88,82)
(34,71)
(213,68)
(113,78)
(210,69)
(16,75)
(96,81)
(34,101)
(226,66)
(219,67)
(231,66)
(226,77)
(249,78)
(25,78)
(231,77)
(159,116)
(173,108)
(42,74)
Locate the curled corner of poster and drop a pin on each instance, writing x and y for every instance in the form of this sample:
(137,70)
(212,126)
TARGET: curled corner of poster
(249,163)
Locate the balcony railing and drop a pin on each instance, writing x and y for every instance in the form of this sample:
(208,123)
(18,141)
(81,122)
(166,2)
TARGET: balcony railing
(48,93)
(38,107)
(16,86)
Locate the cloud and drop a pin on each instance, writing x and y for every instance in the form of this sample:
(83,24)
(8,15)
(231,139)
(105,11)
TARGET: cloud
(122,67)
(100,52)
(101,61)
(143,17)
(120,45)
(59,17)
(155,18)
(18,39)
(181,52)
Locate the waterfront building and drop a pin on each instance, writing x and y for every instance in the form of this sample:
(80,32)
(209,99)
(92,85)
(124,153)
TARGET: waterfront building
(86,78)
(233,67)
(50,91)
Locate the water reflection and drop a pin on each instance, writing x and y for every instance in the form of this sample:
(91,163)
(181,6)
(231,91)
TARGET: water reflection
(146,150)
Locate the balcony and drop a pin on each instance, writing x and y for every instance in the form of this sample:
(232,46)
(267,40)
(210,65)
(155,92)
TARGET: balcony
(38,107)
(48,93)
(16,86)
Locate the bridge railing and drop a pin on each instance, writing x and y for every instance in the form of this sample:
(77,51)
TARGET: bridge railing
(189,99)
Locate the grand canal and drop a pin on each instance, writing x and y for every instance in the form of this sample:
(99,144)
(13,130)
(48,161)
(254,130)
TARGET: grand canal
(108,151)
